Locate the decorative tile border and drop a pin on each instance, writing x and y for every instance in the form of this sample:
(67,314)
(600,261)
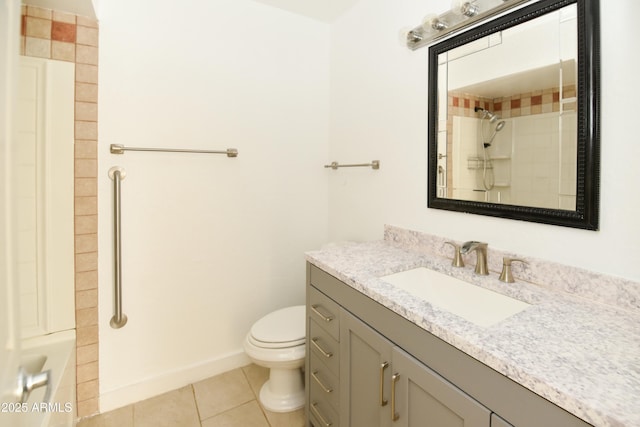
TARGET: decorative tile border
(65,37)
(522,104)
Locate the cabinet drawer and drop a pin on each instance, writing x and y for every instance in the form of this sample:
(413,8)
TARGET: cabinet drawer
(324,347)
(325,311)
(322,415)
(323,383)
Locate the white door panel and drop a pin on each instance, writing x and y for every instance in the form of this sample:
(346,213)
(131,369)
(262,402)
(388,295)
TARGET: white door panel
(43,125)
(9,330)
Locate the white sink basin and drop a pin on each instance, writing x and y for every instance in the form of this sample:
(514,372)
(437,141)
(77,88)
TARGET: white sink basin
(473,303)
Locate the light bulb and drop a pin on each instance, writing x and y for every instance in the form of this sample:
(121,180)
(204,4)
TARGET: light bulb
(432,23)
(466,8)
(469,9)
(439,24)
(410,36)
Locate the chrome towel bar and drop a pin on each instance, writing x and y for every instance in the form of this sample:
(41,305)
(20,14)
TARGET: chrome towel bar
(119,319)
(120,149)
(375,164)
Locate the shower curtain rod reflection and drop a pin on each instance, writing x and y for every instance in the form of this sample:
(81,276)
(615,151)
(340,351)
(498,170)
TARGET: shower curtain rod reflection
(120,149)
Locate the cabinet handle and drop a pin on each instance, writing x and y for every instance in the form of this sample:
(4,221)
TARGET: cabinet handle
(314,409)
(325,353)
(394,415)
(324,317)
(324,388)
(383,366)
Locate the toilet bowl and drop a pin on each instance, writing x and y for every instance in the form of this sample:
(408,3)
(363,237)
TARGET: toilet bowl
(277,342)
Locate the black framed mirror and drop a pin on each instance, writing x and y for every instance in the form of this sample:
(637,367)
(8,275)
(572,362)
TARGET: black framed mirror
(514,116)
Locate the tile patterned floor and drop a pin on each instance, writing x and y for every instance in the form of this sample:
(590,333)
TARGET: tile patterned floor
(226,400)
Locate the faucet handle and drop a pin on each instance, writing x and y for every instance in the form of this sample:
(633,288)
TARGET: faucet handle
(457,257)
(506,275)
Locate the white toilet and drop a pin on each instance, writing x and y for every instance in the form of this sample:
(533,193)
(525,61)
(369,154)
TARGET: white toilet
(277,342)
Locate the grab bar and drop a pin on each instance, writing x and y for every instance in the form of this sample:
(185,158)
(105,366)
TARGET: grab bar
(375,164)
(119,319)
(120,149)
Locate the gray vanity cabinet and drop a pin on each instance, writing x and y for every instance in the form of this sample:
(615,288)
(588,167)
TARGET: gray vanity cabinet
(358,350)
(378,380)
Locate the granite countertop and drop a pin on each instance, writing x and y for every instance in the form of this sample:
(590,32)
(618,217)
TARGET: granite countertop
(580,354)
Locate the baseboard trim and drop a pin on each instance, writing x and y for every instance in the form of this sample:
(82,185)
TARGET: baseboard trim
(154,386)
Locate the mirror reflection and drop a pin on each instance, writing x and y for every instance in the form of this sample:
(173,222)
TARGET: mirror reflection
(507,115)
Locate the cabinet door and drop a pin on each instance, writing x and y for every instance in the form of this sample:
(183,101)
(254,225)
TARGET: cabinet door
(365,366)
(423,398)
(496,421)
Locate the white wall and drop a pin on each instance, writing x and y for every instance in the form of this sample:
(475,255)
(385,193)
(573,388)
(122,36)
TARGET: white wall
(379,110)
(210,244)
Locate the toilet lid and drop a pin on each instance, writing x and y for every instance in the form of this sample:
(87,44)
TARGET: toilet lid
(281,326)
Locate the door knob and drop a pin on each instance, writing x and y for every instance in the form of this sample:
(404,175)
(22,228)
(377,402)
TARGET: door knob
(28,382)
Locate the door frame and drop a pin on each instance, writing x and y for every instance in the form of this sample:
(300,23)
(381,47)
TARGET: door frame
(9,328)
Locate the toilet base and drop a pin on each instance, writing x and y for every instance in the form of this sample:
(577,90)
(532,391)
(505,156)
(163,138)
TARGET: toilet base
(283,391)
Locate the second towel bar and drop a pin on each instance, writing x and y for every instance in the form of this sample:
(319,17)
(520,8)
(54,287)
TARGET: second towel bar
(375,164)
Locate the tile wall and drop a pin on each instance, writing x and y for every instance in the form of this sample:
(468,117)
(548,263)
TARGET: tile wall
(523,104)
(518,105)
(66,37)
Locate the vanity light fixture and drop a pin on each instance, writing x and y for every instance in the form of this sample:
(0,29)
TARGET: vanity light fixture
(462,14)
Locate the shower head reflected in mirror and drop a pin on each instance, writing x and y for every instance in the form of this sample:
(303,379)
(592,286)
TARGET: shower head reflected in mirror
(486,114)
(498,128)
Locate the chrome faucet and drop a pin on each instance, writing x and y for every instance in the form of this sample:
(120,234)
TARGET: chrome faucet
(481,255)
